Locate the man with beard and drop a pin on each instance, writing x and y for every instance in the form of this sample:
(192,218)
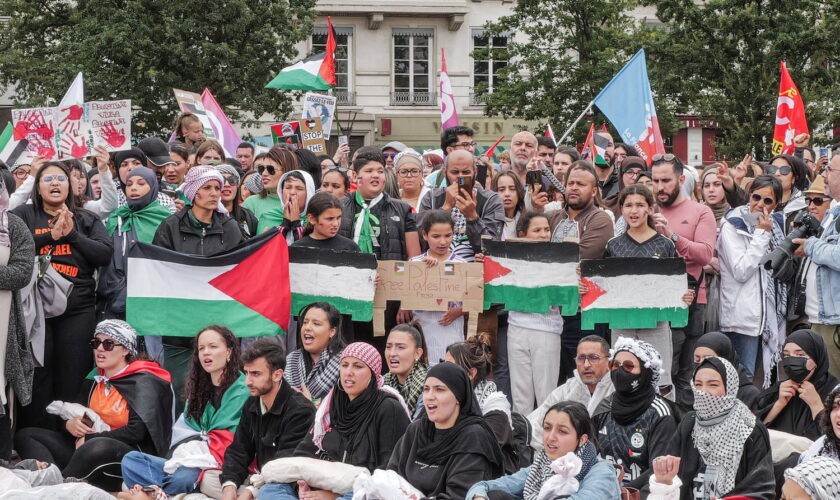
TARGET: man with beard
(692,228)
(274,420)
(608,173)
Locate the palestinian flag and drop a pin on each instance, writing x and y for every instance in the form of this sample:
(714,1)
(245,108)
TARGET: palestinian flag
(316,72)
(10,149)
(246,289)
(595,147)
(633,292)
(531,276)
(344,279)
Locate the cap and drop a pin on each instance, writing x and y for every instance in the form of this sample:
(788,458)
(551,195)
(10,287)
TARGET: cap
(156,151)
(395,145)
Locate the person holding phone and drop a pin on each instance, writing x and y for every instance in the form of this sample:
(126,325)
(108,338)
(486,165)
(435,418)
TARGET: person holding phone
(753,304)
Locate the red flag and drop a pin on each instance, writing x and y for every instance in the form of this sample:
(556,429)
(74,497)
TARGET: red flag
(588,151)
(327,69)
(790,114)
(490,152)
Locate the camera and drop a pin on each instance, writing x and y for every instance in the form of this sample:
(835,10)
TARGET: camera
(780,260)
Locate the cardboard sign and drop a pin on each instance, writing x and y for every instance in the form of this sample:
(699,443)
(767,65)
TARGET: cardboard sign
(312,135)
(73,131)
(286,133)
(109,124)
(38,127)
(320,106)
(191,102)
(424,288)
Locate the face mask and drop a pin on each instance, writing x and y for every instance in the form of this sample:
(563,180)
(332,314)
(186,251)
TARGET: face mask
(795,368)
(625,381)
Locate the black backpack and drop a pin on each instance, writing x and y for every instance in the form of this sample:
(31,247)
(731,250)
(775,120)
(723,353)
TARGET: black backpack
(522,439)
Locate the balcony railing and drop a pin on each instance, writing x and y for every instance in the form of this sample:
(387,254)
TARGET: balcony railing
(345,97)
(413,98)
(478,99)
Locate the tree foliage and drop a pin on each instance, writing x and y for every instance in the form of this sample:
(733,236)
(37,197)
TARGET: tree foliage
(142,49)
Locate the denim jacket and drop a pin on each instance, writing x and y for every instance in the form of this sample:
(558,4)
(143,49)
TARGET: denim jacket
(599,484)
(825,252)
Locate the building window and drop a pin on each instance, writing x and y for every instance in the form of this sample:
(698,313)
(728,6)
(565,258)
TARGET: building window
(489,58)
(412,67)
(343,50)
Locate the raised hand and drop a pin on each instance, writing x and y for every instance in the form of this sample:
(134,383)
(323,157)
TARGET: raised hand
(112,137)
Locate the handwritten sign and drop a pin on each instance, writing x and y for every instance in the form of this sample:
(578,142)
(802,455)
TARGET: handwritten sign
(37,127)
(312,135)
(320,106)
(424,288)
(109,124)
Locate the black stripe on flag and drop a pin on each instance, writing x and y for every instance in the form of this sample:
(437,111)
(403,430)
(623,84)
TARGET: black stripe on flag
(232,257)
(532,251)
(20,148)
(331,258)
(624,266)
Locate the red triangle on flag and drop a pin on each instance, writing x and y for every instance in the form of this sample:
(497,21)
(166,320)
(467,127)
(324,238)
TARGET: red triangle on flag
(493,270)
(261,282)
(592,295)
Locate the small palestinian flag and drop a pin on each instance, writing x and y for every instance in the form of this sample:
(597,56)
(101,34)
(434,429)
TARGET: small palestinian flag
(633,292)
(316,72)
(531,276)
(10,149)
(344,279)
(595,147)
(246,289)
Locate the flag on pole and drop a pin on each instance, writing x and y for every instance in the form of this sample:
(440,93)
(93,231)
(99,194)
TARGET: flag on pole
(492,150)
(10,149)
(790,114)
(448,114)
(75,94)
(222,128)
(628,103)
(550,134)
(316,72)
(595,147)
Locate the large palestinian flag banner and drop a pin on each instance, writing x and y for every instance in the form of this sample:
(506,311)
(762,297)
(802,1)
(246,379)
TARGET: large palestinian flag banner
(633,292)
(246,289)
(531,276)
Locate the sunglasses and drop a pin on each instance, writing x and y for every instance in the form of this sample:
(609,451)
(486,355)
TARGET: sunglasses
(270,168)
(389,155)
(665,157)
(757,197)
(106,344)
(626,364)
(772,169)
(232,180)
(49,178)
(816,201)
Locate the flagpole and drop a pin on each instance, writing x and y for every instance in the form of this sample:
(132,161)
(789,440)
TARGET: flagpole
(572,127)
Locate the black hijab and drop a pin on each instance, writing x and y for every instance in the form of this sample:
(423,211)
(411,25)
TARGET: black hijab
(470,434)
(720,344)
(812,343)
(352,418)
(629,405)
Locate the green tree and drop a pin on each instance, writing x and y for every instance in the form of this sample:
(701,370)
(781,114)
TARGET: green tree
(723,56)
(142,49)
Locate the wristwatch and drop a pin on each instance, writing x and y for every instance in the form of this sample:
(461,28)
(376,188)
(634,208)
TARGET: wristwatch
(675,237)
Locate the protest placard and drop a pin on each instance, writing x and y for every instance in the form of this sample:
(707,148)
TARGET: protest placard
(424,288)
(37,126)
(286,133)
(109,124)
(320,106)
(312,135)
(192,103)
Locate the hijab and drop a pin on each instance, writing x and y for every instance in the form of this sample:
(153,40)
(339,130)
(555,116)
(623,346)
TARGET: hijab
(720,344)
(274,217)
(722,424)
(94,172)
(812,343)
(435,446)
(144,215)
(634,393)
(819,477)
(149,176)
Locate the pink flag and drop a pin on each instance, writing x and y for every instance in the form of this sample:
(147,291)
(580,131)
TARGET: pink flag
(448,115)
(222,128)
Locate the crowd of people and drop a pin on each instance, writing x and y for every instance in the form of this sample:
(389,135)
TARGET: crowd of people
(744,400)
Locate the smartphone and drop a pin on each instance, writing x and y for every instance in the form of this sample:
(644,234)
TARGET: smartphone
(481,175)
(343,140)
(823,152)
(87,421)
(466,183)
(170,193)
(533,178)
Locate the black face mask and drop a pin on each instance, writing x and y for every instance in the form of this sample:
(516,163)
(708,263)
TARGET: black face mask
(626,382)
(795,368)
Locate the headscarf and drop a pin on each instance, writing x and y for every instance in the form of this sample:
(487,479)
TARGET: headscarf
(226,169)
(121,156)
(89,189)
(149,176)
(541,469)
(350,418)
(5,240)
(197,177)
(722,424)
(143,215)
(812,343)
(408,156)
(819,477)
(119,331)
(721,208)
(470,434)
(629,405)
(720,344)
(275,217)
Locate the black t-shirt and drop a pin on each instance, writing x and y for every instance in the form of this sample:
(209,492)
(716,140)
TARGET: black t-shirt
(657,246)
(338,243)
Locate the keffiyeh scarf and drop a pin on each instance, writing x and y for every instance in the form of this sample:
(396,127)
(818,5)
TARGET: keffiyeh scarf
(320,379)
(819,477)
(541,469)
(413,387)
(460,246)
(365,220)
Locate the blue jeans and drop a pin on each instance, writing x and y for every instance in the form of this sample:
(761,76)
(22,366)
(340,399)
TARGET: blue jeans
(146,470)
(747,349)
(284,491)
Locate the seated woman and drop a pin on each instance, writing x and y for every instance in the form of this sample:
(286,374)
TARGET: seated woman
(473,355)
(358,423)
(794,405)
(215,394)
(313,368)
(567,428)
(450,447)
(816,479)
(635,424)
(408,364)
(132,396)
(828,445)
(724,450)
(718,344)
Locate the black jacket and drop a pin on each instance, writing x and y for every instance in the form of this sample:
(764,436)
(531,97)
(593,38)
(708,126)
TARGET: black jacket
(395,219)
(266,437)
(755,472)
(177,233)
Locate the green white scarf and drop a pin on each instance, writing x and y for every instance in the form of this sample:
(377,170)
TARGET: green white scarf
(362,229)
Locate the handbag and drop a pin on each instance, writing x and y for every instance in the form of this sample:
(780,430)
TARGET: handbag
(627,493)
(53,288)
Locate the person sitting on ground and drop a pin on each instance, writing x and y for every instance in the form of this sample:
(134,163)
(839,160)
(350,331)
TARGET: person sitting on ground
(408,364)
(718,344)
(816,479)
(828,445)
(313,368)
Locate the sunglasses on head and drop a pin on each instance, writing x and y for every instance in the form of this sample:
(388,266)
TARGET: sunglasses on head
(270,168)
(818,202)
(757,197)
(106,344)
(626,364)
(49,178)
(343,170)
(772,169)
(665,157)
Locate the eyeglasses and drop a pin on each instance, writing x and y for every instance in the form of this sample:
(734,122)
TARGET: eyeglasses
(818,202)
(21,173)
(343,170)
(49,178)
(626,364)
(389,155)
(757,197)
(592,358)
(784,170)
(414,172)
(665,157)
(270,168)
(106,344)
(465,144)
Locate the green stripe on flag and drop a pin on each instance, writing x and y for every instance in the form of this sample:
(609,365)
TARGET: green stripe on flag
(360,310)
(633,318)
(298,79)
(535,300)
(6,135)
(186,317)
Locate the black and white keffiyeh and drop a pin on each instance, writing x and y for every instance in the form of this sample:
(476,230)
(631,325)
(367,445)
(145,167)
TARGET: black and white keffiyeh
(541,469)
(320,379)
(819,477)
(647,354)
(722,424)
